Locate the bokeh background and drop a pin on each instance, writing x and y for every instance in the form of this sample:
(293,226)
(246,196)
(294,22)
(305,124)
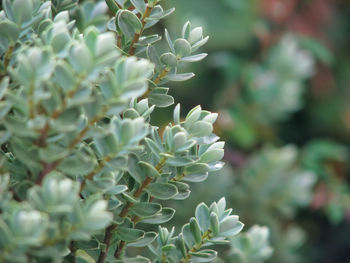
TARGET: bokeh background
(278,72)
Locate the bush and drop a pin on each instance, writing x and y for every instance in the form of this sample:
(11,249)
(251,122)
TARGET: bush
(83,170)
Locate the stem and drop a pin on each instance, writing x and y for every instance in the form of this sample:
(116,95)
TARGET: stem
(49,167)
(7,58)
(204,238)
(159,78)
(91,175)
(123,214)
(72,248)
(137,35)
(120,249)
(107,241)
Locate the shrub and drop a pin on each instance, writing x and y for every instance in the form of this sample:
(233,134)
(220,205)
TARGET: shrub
(83,169)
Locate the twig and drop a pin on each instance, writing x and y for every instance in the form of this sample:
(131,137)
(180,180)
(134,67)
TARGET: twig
(137,35)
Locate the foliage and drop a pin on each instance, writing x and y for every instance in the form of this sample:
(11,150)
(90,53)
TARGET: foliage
(81,165)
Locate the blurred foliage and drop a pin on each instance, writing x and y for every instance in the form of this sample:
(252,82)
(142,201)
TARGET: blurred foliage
(278,72)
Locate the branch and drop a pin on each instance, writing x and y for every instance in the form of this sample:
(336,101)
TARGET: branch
(137,35)
(123,214)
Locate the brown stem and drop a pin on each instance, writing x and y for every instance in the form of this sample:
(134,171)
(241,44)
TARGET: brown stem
(72,249)
(137,35)
(159,78)
(8,56)
(120,249)
(48,168)
(7,59)
(123,214)
(107,241)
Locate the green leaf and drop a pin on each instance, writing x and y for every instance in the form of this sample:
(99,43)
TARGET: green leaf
(169,59)
(22,10)
(203,216)
(214,223)
(129,234)
(198,168)
(83,257)
(182,47)
(168,39)
(129,23)
(180,77)
(154,57)
(161,100)
(179,161)
(195,35)
(144,209)
(162,191)
(195,178)
(188,236)
(195,229)
(201,129)
(10,30)
(149,169)
(145,241)
(194,58)
(183,189)
(230,226)
(212,156)
(139,5)
(164,216)
(112,5)
(135,170)
(138,259)
(206,255)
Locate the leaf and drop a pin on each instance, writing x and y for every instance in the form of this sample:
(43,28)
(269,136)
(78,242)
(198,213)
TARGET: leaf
(203,216)
(169,59)
(182,47)
(214,223)
(180,77)
(164,216)
(139,5)
(212,156)
(195,229)
(149,169)
(9,30)
(176,114)
(129,23)
(201,129)
(135,170)
(207,255)
(144,209)
(183,191)
(195,178)
(129,234)
(198,168)
(168,39)
(162,191)
(230,226)
(161,100)
(112,5)
(179,161)
(194,58)
(138,259)
(199,44)
(145,241)
(83,257)
(188,236)
(154,57)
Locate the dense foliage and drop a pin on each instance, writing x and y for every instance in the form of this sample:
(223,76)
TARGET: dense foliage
(83,171)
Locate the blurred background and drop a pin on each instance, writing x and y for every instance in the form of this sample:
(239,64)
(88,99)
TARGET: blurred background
(278,72)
